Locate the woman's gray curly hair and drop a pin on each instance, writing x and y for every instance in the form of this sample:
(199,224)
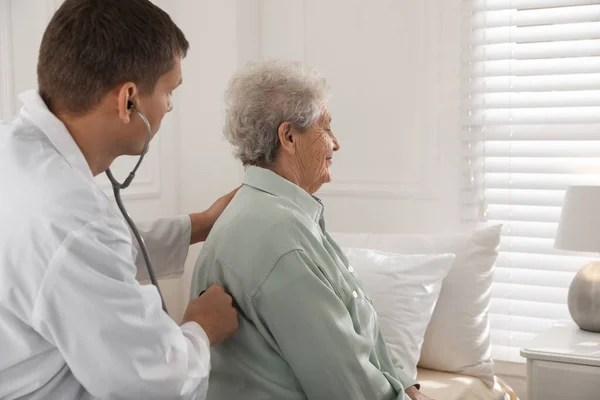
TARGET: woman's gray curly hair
(263,96)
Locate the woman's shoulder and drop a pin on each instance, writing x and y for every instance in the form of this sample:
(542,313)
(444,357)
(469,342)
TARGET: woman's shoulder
(258,208)
(255,230)
(260,217)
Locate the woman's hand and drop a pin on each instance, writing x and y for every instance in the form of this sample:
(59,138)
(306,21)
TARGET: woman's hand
(414,394)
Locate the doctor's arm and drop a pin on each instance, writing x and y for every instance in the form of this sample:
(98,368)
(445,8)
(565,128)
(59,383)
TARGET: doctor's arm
(203,222)
(168,239)
(316,335)
(111,331)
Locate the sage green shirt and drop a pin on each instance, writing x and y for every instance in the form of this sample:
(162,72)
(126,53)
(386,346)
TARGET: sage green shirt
(307,330)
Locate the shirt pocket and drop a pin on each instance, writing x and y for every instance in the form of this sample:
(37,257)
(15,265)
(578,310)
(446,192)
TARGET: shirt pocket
(362,312)
(349,287)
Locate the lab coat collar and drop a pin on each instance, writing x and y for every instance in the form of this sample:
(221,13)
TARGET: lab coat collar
(35,110)
(268,181)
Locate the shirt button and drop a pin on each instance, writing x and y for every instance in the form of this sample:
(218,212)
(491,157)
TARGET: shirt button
(351,269)
(355,294)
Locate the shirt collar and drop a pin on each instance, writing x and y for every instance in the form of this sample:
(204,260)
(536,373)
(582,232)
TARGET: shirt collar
(268,181)
(36,111)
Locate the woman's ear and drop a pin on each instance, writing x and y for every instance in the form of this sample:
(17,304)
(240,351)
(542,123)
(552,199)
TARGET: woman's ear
(287,138)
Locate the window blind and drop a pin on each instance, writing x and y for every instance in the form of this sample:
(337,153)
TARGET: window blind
(531,126)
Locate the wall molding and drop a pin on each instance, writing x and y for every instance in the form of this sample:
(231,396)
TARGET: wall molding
(424,180)
(427,184)
(7,88)
(147,182)
(142,190)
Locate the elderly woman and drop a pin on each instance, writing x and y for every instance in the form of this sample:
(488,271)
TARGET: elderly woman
(307,331)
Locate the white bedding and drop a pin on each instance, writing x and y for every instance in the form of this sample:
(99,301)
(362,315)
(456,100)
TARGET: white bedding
(447,386)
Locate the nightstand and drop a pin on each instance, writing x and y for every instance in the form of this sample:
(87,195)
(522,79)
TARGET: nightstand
(563,363)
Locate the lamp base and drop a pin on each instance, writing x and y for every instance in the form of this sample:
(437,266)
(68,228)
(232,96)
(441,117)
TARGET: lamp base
(584,297)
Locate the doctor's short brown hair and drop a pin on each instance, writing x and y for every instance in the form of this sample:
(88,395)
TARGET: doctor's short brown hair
(91,46)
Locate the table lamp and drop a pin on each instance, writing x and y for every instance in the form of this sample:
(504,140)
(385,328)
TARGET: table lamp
(579,230)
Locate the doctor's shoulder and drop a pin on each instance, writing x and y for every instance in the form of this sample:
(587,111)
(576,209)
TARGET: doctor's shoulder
(70,219)
(39,182)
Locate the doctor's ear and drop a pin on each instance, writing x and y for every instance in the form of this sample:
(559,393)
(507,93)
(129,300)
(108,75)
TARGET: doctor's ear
(126,97)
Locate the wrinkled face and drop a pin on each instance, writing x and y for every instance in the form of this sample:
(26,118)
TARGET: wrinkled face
(314,156)
(154,106)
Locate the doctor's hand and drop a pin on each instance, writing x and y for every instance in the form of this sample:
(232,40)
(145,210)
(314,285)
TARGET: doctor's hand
(214,312)
(203,222)
(217,208)
(414,394)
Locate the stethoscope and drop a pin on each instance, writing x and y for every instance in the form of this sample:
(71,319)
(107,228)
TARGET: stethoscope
(117,191)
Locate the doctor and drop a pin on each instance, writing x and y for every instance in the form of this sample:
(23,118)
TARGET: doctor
(74,322)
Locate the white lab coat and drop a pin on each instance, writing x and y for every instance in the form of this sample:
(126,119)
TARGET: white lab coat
(74,322)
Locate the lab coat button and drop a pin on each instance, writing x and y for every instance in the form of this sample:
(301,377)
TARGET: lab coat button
(355,294)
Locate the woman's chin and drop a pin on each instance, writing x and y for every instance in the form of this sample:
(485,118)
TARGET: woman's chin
(326,179)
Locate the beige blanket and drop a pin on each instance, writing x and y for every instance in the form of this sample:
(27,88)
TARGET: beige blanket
(446,386)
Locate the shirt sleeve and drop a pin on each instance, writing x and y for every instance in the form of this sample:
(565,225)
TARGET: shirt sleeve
(111,331)
(168,242)
(317,336)
(389,363)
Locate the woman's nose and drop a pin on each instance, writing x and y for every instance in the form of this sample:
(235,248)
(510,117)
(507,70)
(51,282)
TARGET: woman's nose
(336,144)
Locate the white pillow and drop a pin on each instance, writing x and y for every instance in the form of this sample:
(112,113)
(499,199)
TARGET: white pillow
(404,289)
(458,336)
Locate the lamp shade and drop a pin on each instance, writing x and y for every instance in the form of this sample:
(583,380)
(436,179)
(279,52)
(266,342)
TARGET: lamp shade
(579,227)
